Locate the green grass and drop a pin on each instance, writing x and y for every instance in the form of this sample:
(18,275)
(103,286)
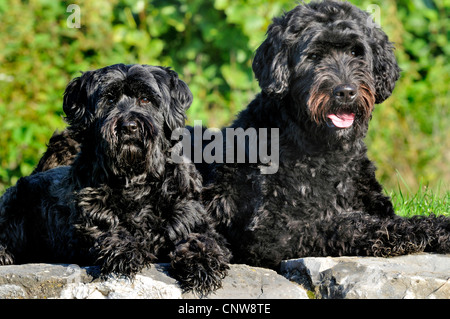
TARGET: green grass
(425,202)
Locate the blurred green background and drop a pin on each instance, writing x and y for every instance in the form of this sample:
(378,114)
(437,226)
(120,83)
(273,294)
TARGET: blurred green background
(210,43)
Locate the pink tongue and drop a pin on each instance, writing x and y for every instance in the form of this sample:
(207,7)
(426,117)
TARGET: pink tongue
(342,120)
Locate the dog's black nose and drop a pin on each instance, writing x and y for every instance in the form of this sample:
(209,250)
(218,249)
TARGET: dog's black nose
(130,127)
(345,92)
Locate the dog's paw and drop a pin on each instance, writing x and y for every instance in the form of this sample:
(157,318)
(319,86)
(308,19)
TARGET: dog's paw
(5,257)
(199,264)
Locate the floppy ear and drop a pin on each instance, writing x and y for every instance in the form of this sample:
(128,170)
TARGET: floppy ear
(181,100)
(385,67)
(270,64)
(76,101)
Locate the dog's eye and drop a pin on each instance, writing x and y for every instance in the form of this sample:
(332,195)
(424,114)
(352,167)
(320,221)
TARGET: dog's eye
(357,52)
(313,56)
(144,100)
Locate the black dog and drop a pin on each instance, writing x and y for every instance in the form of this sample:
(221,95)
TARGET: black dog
(322,68)
(124,203)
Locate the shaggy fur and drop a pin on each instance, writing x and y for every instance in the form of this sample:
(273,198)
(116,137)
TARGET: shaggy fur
(61,150)
(321,69)
(124,203)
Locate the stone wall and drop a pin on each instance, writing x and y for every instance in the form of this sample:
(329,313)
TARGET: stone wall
(413,276)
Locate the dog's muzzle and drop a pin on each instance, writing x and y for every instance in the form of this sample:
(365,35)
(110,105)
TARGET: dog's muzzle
(135,129)
(134,134)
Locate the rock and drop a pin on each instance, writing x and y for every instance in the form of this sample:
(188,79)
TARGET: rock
(41,281)
(410,276)
(245,282)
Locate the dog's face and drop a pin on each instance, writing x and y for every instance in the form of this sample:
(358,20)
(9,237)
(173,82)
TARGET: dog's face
(332,61)
(125,115)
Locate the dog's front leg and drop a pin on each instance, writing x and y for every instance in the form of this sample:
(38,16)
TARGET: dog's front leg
(110,239)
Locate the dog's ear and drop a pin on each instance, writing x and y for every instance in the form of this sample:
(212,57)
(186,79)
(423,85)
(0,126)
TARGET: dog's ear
(181,100)
(270,64)
(76,100)
(385,67)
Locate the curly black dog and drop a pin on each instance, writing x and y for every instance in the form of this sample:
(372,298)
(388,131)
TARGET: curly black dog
(123,203)
(321,69)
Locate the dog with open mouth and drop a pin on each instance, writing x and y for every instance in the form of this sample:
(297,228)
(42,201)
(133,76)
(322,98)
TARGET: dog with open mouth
(321,69)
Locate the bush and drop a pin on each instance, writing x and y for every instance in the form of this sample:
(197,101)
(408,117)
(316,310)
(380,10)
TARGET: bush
(211,45)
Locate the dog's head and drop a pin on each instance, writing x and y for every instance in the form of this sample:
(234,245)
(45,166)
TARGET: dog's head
(125,115)
(332,60)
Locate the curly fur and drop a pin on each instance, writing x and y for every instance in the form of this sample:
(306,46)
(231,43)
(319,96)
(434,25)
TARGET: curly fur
(123,203)
(61,150)
(324,200)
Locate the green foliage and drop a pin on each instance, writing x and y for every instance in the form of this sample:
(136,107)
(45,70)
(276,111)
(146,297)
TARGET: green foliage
(211,43)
